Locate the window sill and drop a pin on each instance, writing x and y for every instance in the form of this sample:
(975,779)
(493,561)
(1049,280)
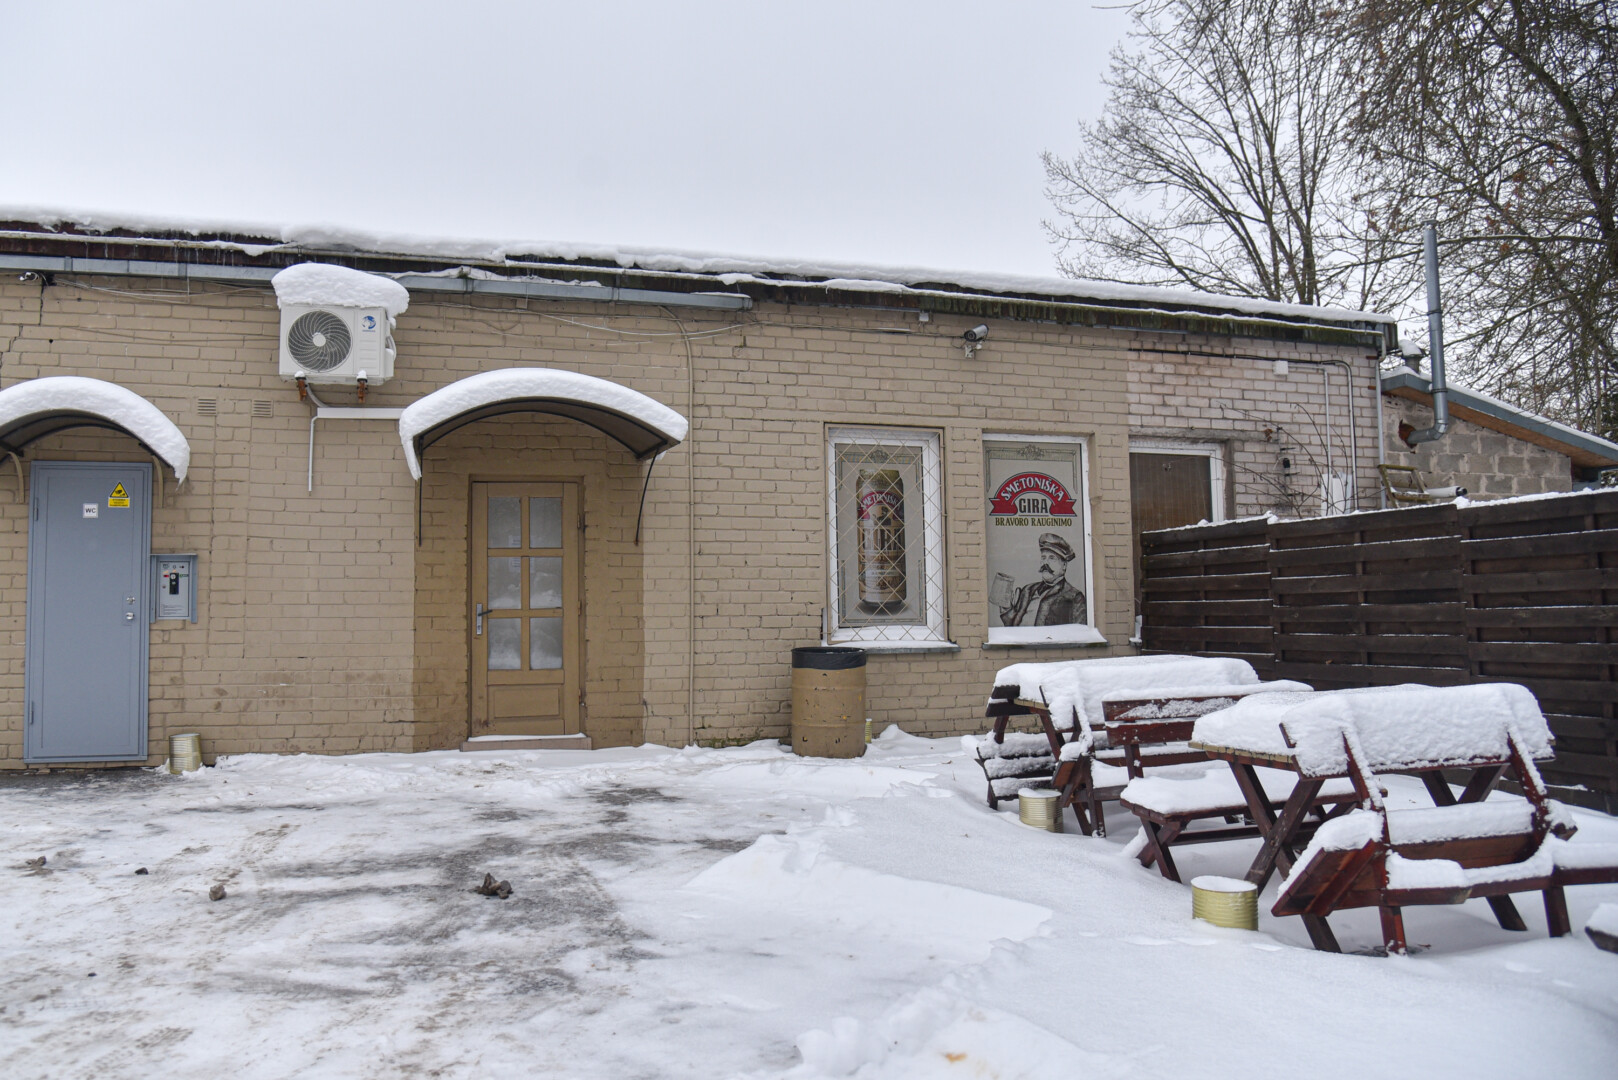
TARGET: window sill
(922,646)
(1013,637)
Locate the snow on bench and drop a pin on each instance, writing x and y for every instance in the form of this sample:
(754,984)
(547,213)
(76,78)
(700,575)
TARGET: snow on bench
(1215,793)
(1074,689)
(1602,927)
(1391,727)
(1167,807)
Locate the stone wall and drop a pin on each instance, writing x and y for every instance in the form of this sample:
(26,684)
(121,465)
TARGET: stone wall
(1487,463)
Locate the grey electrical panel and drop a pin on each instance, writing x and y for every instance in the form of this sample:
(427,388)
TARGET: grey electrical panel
(174,587)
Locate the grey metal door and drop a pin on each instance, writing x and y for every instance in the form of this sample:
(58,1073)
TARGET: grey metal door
(88,538)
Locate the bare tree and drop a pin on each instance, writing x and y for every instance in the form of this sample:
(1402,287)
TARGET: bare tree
(1221,162)
(1497,118)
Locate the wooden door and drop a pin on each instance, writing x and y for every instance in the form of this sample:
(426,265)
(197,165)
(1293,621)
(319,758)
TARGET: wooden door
(525,606)
(1167,490)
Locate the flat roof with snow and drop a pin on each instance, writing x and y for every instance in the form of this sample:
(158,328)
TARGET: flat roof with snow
(196,248)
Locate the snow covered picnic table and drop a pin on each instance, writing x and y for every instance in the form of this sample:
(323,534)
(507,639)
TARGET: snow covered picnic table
(1421,856)
(1111,716)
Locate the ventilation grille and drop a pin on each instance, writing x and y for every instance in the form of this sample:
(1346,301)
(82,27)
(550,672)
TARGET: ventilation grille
(207,406)
(319,341)
(263,409)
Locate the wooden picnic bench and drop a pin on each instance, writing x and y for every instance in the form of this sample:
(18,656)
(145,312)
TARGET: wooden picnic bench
(1169,808)
(1461,847)
(1448,854)
(1093,766)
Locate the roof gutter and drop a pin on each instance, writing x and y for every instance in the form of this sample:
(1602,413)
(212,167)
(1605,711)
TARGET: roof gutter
(261,275)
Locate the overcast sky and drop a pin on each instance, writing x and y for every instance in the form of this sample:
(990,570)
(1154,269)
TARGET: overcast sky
(877,132)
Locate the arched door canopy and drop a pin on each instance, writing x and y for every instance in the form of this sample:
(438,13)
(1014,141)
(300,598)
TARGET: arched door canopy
(39,407)
(644,426)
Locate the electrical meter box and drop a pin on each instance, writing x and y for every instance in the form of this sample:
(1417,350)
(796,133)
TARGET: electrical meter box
(174,587)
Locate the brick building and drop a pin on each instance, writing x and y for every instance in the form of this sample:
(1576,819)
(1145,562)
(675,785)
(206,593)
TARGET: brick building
(855,470)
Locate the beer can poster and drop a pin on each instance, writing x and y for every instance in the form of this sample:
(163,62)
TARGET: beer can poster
(1038,562)
(879,534)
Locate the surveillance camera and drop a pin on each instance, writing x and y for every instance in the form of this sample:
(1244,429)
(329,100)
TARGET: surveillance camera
(977,333)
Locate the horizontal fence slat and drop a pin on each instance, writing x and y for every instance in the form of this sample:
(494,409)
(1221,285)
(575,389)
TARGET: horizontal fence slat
(1370,674)
(1432,547)
(1583,727)
(1338,583)
(1415,644)
(1425,613)
(1538,511)
(1547,652)
(1441,519)
(1173,560)
(1201,534)
(1540,547)
(1602,616)
(1582,765)
(1211,583)
(1542,581)
(1234,635)
(1241,609)
(1586,692)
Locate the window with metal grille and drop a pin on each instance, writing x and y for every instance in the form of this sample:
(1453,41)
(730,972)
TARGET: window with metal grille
(887,537)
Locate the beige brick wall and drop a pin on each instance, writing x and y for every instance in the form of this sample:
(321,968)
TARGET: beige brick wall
(1489,464)
(305,598)
(1317,416)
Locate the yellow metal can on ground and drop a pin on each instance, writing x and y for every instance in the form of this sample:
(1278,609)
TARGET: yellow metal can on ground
(1040,808)
(185,753)
(1225,902)
(828,701)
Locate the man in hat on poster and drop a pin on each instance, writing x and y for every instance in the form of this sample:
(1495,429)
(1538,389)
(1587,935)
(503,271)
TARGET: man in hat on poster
(1052,600)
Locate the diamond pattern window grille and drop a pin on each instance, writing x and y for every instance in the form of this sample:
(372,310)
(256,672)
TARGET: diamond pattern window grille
(887,536)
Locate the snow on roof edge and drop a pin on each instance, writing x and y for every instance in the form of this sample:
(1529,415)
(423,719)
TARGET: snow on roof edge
(735,268)
(507,384)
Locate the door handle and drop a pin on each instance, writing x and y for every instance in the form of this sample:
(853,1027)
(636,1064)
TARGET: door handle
(129,616)
(479,631)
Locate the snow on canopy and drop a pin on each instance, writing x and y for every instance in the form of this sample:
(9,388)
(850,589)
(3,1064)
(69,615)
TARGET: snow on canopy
(538,387)
(28,403)
(1395,727)
(325,285)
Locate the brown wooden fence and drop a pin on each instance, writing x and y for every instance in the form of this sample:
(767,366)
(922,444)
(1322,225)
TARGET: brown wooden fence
(1520,592)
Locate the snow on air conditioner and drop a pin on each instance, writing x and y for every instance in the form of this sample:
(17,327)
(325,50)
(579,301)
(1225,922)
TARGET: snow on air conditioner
(336,323)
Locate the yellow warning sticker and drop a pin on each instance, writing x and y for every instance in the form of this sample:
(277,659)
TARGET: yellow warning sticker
(119,497)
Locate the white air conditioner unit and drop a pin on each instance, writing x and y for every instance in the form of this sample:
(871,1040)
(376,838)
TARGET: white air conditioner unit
(335,343)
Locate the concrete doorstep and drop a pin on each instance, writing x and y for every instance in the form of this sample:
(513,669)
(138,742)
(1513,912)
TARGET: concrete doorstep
(527,742)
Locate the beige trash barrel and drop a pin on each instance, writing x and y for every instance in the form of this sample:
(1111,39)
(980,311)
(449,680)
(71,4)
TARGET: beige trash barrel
(828,701)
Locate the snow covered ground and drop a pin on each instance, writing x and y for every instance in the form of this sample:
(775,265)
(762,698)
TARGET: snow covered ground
(709,913)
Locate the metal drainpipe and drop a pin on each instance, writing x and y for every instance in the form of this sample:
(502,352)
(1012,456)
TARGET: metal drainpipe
(1435,342)
(1353,430)
(1381,435)
(1325,485)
